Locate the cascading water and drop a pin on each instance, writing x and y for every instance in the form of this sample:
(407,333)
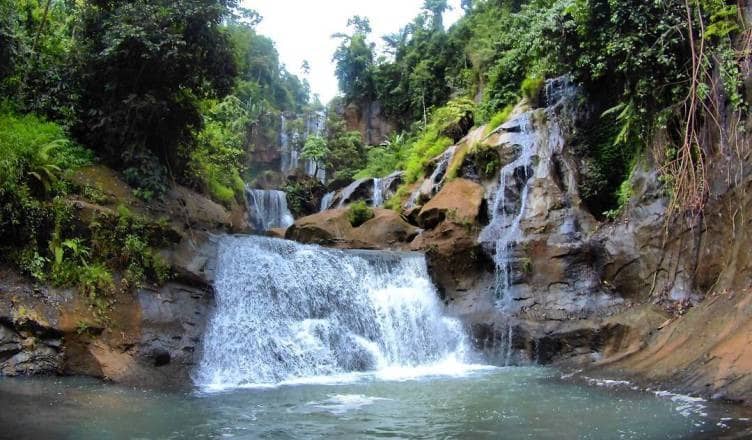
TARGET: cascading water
(287,311)
(432,184)
(506,213)
(326,201)
(378,192)
(290,156)
(315,123)
(535,147)
(267,209)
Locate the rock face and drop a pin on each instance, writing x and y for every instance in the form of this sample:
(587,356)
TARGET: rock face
(370,190)
(150,338)
(369,120)
(459,200)
(386,230)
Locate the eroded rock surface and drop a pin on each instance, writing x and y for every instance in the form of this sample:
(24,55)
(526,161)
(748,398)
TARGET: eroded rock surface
(386,230)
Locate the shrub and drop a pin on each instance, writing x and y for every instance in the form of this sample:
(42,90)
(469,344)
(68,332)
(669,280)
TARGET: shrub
(359,213)
(531,87)
(35,158)
(499,118)
(215,164)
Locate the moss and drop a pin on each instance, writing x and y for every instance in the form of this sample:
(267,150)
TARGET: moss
(485,159)
(396,201)
(531,87)
(456,164)
(359,213)
(498,119)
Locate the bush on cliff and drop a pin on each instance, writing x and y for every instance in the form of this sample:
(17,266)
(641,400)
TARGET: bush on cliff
(359,213)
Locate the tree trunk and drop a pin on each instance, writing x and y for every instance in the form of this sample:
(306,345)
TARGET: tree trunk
(41,27)
(425,115)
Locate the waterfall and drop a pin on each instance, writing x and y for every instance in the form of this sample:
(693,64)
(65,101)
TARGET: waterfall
(289,155)
(348,191)
(315,124)
(378,192)
(287,311)
(267,209)
(326,201)
(537,136)
(506,213)
(432,184)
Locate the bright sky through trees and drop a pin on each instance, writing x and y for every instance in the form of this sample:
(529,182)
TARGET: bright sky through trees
(302,30)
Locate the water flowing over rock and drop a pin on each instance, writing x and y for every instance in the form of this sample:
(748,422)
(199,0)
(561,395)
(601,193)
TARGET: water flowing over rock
(432,184)
(290,156)
(291,141)
(327,200)
(504,229)
(287,311)
(357,190)
(378,192)
(267,209)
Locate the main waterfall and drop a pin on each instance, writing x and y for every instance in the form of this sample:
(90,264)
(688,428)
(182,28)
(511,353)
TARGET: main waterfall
(287,311)
(267,209)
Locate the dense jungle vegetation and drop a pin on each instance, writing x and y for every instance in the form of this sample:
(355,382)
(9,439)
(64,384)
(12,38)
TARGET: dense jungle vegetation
(162,91)
(178,90)
(657,69)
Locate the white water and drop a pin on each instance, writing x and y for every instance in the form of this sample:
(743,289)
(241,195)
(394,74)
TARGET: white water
(326,201)
(267,209)
(315,124)
(290,141)
(433,183)
(290,156)
(290,313)
(504,228)
(378,192)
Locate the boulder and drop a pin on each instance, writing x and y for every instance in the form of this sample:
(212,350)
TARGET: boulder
(361,189)
(386,230)
(459,200)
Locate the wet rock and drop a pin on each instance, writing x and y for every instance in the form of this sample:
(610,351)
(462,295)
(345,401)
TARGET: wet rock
(276,232)
(10,342)
(386,230)
(459,200)
(194,259)
(33,361)
(361,189)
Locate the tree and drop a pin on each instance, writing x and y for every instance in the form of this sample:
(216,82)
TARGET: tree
(354,60)
(144,64)
(315,149)
(346,151)
(436,8)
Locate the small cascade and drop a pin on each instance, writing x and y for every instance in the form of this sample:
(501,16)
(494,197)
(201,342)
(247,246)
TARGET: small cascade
(506,213)
(433,183)
(289,155)
(347,192)
(326,201)
(315,124)
(267,209)
(378,192)
(535,137)
(288,311)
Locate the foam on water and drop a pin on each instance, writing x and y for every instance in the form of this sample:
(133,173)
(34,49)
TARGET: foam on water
(338,404)
(295,314)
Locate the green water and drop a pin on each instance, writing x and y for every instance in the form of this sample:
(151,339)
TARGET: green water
(512,403)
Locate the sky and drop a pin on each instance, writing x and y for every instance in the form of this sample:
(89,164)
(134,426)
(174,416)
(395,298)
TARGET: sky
(302,30)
